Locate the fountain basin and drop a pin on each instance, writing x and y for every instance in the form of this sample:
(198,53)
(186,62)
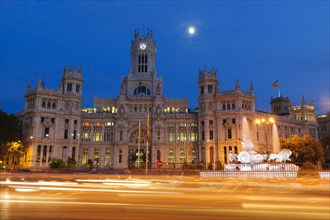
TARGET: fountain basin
(249,174)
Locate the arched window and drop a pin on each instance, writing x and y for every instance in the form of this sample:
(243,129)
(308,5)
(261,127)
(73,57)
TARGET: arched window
(225,153)
(73,153)
(120,155)
(182,156)
(235,149)
(194,157)
(64,153)
(158,155)
(50,153)
(38,153)
(44,154)
(171,156)
(142,90)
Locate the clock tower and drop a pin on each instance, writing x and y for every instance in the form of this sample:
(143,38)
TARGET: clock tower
(143,54)
(142,79)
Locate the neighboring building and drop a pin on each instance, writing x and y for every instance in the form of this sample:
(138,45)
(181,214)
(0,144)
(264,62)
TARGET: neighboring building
(55,126)
(280,105)
(51,120)
(324,132)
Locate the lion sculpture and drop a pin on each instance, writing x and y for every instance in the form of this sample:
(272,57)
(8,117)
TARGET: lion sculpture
(282,156)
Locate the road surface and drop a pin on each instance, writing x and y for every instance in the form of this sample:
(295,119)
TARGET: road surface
(92,196)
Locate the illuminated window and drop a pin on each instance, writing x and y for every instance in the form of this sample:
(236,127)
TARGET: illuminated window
(171,136)
(194,156)
(96,155)
(171,156)
(85,156)
(107,156)
(193,136)
(182,156)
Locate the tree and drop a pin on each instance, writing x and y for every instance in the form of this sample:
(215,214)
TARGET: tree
(57,164)
(15,149)
(11,131)
(304,149)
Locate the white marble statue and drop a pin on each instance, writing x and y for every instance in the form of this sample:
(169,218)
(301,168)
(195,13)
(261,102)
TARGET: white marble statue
(282,156)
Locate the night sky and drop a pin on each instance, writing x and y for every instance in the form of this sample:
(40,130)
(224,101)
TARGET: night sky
(256,41)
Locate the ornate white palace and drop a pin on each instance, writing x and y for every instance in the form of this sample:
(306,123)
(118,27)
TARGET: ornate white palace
(55,125)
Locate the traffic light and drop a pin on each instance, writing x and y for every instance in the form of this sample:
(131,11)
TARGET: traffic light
(3,166)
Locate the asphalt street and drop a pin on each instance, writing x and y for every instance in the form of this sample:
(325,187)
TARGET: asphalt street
(95,196)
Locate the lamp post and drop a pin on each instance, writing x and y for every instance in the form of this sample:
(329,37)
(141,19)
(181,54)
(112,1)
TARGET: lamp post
(265,122)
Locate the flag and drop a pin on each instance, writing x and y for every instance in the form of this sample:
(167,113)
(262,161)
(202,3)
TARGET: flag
(148,129)
(275,84)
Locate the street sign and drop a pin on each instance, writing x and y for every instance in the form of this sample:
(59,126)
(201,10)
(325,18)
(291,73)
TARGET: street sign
(159,163)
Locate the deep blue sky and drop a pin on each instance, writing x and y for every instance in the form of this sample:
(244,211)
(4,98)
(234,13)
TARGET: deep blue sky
(258,41)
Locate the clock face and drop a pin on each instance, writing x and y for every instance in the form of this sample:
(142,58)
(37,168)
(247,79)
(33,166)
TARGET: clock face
(143,46)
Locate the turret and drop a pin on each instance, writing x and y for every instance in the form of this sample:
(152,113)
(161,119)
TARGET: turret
(71,82)
(208,83)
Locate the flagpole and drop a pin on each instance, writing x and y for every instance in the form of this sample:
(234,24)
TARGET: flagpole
(139,136)
(147,132)
(279,92)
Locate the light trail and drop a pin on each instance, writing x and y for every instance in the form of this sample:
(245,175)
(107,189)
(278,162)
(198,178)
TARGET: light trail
(190,209)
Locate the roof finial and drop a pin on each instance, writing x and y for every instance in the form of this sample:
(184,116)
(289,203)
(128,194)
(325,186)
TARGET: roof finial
(238,86)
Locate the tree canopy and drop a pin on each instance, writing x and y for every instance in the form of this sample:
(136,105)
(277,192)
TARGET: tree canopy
(10,133)
(304,149)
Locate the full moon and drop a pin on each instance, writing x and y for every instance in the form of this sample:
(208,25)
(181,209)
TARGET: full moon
(191,30)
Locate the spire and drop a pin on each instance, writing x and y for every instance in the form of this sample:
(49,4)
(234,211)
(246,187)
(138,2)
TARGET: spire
(312,103)
(40,84)
(303,102)
(75,69)
(252,88)
(28,88)
(238,86)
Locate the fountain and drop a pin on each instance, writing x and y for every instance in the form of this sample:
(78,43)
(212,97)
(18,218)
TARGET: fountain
(258,165)
(276,140)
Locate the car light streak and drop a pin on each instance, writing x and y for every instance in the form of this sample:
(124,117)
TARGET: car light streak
(39,183)
(187,209)
(287,199)
(284,206)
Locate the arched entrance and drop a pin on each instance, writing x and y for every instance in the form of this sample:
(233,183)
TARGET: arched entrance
(137,159)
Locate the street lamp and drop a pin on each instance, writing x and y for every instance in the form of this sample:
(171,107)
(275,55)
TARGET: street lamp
(265,122)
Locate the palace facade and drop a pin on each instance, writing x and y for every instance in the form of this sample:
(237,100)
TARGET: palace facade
(55,125)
